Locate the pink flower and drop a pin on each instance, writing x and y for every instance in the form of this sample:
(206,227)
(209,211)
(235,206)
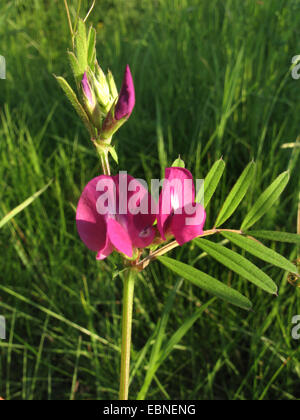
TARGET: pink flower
(126,99)
(114,213)
(179,215)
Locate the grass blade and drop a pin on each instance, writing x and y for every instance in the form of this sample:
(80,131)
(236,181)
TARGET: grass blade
(22,206)
(164,353)
(153,364)
(162,154)
(182,330)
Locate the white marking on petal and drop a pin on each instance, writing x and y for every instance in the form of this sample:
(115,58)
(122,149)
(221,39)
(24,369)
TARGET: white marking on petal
(145,232)
(174,200)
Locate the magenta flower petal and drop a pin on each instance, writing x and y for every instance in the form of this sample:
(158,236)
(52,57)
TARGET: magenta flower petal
(115,213)
(142,211)
(178,190)
(142,231)
(106,251)
(179,215)
(87,90)
(186,227)
(126,99)
(91,225)
(182,179)
(119,237)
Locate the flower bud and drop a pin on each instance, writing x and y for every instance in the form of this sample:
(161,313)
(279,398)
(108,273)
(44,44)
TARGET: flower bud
(89,97)
(122,109)
(101,89)
(126,99)
(90,103)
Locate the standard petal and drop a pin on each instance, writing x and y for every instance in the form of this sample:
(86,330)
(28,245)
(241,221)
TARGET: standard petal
(181,187)
(178,190)
(91,225)
(116,213)
(142,211)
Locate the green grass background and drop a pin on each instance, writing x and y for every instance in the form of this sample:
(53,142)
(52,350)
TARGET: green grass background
(212,79)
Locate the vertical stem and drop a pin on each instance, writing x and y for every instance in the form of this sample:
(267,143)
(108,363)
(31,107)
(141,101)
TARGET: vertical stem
(103,153)
(126,333)
(89,12)
(105,162)
(102,147)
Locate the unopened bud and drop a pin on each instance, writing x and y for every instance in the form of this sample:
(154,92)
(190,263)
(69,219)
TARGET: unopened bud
(126,99)
(90,103)
(120,111)
(101,89)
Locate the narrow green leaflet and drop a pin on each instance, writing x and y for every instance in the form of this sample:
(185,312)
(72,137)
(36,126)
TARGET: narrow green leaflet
(260,251)
(212,180)
(74,66)
(272,235)
(22,206)
(266,200)
(237,194)
(71,95)
(238,264)
(206,282)
(81,47)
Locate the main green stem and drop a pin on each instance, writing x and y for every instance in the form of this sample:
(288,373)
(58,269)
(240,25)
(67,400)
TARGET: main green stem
(102,147)
(126,333)
(104,161)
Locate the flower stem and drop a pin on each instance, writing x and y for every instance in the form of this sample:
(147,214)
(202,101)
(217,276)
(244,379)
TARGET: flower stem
(103,153)
(141,265)
(126,333)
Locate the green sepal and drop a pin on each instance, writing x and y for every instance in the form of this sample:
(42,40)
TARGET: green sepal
(112,85)
(81,47)
(71,95)
(114,154)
